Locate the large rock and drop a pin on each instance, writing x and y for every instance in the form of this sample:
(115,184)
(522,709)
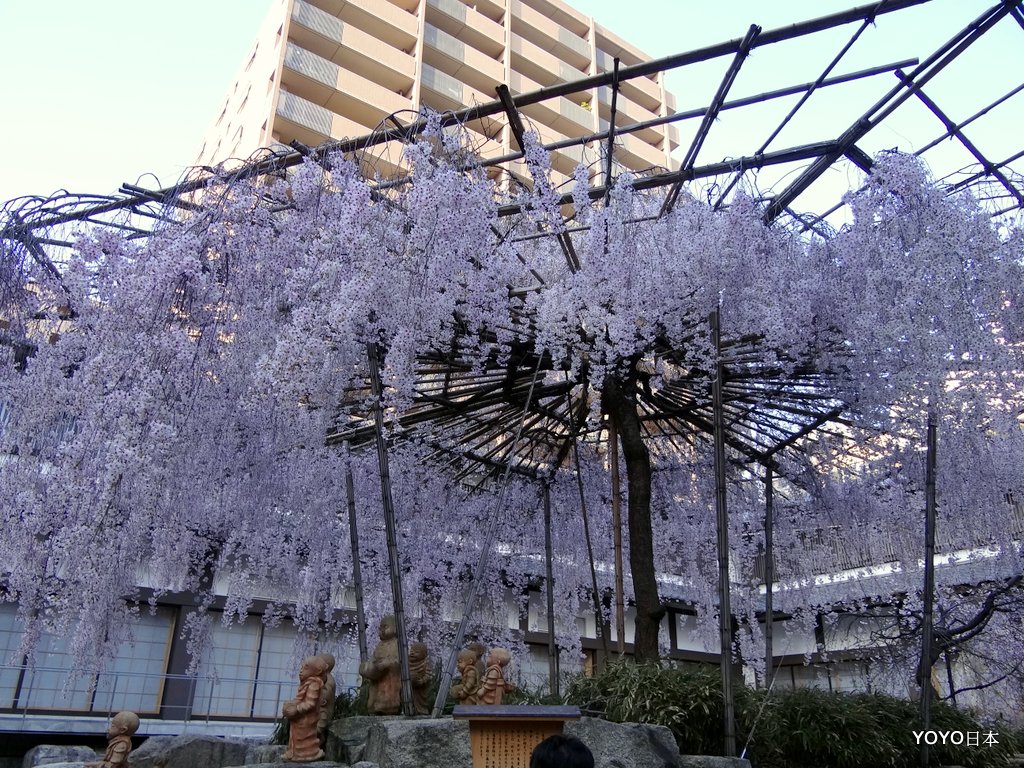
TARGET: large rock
(626,745)
(189,752)
(264,753)
(48,754)
(346,737)
(418,744)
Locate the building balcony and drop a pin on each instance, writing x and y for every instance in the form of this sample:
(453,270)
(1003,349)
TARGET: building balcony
(635,153)
(642,90)
(628,111)
(564,117)
(337,89)
(539,64)
(550,36)
(451,55)
(356,50)
(393,22)
(467,24)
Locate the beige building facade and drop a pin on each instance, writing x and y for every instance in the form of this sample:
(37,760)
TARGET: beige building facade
(323,70)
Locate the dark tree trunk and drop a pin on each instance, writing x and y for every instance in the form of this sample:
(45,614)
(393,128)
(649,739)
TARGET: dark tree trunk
(618,402)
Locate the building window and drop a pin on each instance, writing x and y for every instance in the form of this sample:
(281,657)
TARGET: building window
(133,680)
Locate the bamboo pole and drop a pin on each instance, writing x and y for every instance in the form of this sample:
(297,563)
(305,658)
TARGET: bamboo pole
(394,563)
(724,609)
(550,585)
(925,667)
(769,572)
(620,601)
(598,613)
(357,578)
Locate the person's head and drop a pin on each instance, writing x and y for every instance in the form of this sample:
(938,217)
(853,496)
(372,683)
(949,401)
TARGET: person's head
(388,628)
(499,656)
(561,751)
(123,724)
(467,658)
(329,661)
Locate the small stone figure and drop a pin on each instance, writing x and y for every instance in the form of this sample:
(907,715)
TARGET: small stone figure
(119,741)
(492,688)
(478,650)
(382,672)
(465,690)
(419,675)
(327,697)
(303,713)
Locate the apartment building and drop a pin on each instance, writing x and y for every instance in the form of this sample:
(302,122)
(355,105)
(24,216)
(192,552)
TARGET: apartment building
(332,69)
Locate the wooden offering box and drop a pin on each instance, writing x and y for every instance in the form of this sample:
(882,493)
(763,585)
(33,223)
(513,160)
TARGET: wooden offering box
(504,736)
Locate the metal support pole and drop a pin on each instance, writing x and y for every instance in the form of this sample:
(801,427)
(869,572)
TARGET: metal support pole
(722,519)
(394,563)
(550,585)
(357,578)
(769,572)
(924,673)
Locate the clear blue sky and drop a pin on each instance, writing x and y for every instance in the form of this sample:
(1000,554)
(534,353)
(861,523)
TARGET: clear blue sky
(98,92)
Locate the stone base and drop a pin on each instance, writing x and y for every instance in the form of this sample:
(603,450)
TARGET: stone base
(189,752)
(51,754)
(710,761)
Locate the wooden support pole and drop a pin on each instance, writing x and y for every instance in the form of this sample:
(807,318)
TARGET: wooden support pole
(394,563)
(722,519)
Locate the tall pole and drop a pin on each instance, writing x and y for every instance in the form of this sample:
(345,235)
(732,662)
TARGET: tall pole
(925,667)
(394,563)
(769,572)
(620,601)
(357,578)
(550,584)
(724,608)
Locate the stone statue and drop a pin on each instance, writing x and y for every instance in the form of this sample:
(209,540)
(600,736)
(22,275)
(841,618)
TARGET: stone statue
(465,690)
(327,697)
(493,686)
(419,676)
(478,650)
(303,713)
(119,741)
(382,672)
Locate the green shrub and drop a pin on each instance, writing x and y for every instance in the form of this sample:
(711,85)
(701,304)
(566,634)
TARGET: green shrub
(801,728)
